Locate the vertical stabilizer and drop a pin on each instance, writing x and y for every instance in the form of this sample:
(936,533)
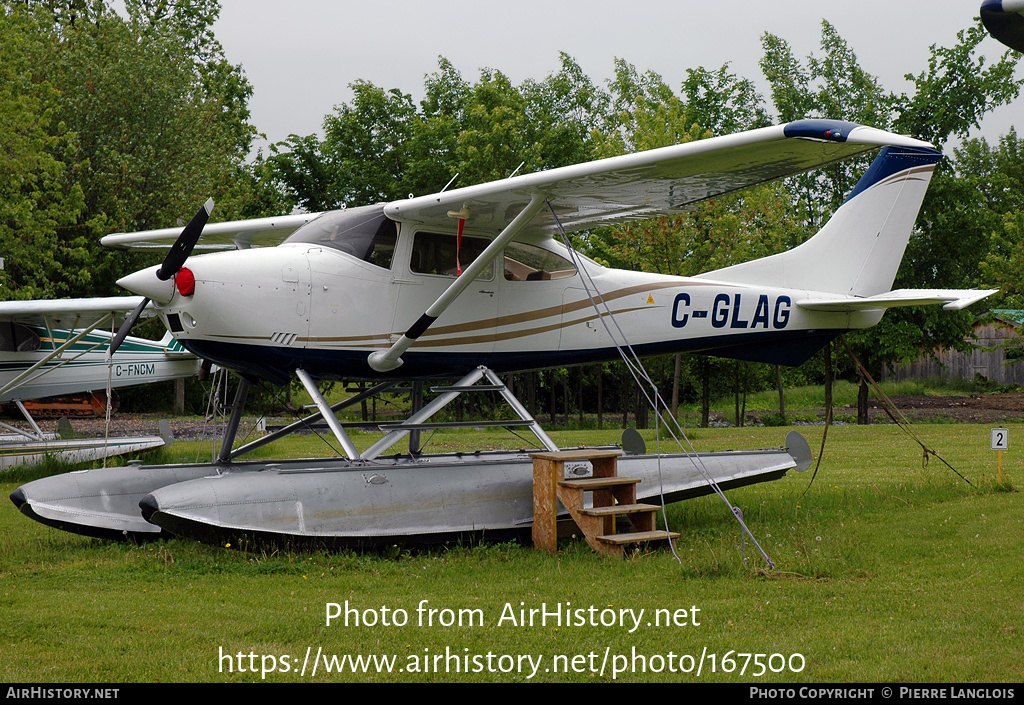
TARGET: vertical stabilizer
(859,249)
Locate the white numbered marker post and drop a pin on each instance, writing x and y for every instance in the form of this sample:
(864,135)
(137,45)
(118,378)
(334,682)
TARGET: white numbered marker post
(1000,442)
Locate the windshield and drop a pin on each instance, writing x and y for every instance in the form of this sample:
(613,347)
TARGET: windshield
(363,232)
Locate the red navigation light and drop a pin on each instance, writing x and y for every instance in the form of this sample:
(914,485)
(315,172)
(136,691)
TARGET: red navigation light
(185,281)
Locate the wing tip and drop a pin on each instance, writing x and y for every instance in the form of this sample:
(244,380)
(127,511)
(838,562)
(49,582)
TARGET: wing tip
(827,130)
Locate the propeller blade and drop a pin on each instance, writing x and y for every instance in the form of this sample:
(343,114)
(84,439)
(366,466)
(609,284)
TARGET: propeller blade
(126,328)
(183,246)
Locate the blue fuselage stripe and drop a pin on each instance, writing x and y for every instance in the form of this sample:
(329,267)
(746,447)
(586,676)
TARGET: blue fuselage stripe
(276,364)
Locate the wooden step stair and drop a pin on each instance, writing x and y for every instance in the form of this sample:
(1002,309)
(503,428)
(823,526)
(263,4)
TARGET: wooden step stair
(617,509)
(612,497)
(639,537)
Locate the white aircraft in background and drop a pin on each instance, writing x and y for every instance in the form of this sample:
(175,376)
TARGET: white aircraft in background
(473,281)
(59,347)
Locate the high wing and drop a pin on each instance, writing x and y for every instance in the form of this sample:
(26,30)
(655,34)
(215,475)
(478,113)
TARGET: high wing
(629,187)
(653,183)
(68,313)
(637,186)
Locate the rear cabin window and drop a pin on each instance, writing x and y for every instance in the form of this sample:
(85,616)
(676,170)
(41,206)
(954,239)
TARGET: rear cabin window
(363,232)
(436,253)
(527,263)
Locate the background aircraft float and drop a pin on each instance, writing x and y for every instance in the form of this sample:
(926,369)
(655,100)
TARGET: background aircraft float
(472,281)
(57,347)
(1004,20)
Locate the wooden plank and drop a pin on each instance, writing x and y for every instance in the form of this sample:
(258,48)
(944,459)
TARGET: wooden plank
(598,483)
(579,454)
(545,529)
(638,537)
(619,509)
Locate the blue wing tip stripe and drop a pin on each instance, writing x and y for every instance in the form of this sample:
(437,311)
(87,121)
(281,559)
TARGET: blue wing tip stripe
(827,130)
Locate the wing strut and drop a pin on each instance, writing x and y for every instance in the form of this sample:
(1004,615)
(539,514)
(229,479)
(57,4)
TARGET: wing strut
(391,359)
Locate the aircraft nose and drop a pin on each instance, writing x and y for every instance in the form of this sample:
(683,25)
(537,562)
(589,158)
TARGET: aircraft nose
(145,283)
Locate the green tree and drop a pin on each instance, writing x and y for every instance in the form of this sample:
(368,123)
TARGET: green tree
(365,146)
(997,176)
(436,139)
(145,119)
(716,233)
(37,193)
(382,146)
(833,87)
(950,99)
(957,90)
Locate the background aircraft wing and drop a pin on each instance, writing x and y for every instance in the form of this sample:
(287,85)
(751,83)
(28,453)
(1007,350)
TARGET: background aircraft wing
(653,183)
(230,235)
(67,313)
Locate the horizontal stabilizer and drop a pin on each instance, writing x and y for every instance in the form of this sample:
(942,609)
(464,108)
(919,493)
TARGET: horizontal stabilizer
(952,299)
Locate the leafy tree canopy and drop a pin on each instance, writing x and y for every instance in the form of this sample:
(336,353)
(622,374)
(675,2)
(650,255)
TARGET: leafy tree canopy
(138,120)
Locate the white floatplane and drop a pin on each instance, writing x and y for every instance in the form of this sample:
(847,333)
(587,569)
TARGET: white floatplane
(476,281)
(59,347)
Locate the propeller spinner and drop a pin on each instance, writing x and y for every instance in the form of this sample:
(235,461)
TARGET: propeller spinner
(173,262)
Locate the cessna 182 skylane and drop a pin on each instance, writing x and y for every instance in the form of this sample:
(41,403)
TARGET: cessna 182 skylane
(473,281)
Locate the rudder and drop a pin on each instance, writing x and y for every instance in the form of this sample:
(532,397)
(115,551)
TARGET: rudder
(857,252)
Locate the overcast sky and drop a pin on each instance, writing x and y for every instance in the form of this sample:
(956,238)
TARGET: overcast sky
(301,55)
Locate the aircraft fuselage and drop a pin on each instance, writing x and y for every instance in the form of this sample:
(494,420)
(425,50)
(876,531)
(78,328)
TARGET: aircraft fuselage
(267,311)
(83,366)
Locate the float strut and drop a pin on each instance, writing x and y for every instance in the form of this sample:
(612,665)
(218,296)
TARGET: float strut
(332,421)
(236,417)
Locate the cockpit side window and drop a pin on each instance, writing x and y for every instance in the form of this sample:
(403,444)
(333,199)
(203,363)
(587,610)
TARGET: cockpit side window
(382,250)
(442,254)
(365,233)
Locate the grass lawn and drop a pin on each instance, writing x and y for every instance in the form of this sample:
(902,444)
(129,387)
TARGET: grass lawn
(885,570)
